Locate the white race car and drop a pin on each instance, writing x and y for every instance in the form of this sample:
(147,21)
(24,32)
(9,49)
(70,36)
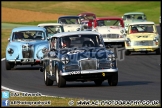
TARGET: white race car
(112,30)
(70,23)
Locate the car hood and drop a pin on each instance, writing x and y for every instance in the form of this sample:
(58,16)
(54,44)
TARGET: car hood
(81,53)
(19,43)
(109,29)
(71,27)
(134,20)
(142,36)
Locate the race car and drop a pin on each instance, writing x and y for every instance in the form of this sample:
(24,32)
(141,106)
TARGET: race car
(142,37)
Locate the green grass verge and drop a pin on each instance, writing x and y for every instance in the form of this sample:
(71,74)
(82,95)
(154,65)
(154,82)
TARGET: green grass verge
(102,8)
(30,23)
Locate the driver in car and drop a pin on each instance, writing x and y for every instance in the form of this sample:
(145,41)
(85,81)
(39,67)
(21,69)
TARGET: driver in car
(66,42)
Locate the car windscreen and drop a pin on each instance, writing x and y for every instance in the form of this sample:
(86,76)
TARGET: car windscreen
(30,34)
(69,20)
(51,30)
(78,41)
(142,28)
(108,22)
(135,16)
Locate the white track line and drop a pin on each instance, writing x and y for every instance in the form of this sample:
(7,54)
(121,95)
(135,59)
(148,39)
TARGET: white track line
(3,88)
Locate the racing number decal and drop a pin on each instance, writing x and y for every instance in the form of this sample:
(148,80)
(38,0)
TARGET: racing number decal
(74,72)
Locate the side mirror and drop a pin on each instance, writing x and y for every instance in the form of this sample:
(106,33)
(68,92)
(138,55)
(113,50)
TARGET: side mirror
(8,39)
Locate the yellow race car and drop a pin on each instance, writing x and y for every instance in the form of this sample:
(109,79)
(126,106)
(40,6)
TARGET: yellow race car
(142,37)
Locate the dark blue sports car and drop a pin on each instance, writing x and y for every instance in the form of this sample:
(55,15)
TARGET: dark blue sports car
(79,56)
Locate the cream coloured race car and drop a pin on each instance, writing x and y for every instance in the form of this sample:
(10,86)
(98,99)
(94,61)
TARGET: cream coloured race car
(52,28)
(142,37)
(70,23)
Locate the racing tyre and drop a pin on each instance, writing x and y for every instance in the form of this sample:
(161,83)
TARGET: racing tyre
(98,82)
(127,52)
(113,79)
(158,51)
(8,66)
(61,82)
(47,81)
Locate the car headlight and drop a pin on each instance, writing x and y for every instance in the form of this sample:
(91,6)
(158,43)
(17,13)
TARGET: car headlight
(156,40)
(111,57)
(44,50)
(52,54)
(10,51)
(128,42)
(65,60)
(122,31)
(23,46)
(78,29)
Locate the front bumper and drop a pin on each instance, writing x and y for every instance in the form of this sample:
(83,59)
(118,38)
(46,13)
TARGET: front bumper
(143,48)
(114,40)
(25,61)
(89,72)
(90,75)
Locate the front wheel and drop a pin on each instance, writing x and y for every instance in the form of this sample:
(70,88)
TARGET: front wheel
(9,65)
(127,52)
(113,79)
(47,81)
(61,82)
(158,51)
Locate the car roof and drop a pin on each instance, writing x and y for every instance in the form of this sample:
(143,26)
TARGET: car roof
(70,16)
(28,28)
(147,22)
(103,18)
(128,13)
(86,13)
(49,24)
(63,34)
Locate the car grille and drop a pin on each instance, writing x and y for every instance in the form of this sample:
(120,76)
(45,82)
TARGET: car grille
(88,64)
(27,52)
(110,35)
(143,43)
(104,65)
(71,67)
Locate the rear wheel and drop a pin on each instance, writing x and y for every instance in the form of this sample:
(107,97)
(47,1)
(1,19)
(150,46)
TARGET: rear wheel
(113,79)
(61,82)
(47,81)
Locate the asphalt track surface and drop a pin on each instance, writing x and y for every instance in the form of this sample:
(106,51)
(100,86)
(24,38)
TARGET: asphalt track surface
(139,79)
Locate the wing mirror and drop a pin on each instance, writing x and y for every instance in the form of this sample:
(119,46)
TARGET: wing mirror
(8,39)
(48,38)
